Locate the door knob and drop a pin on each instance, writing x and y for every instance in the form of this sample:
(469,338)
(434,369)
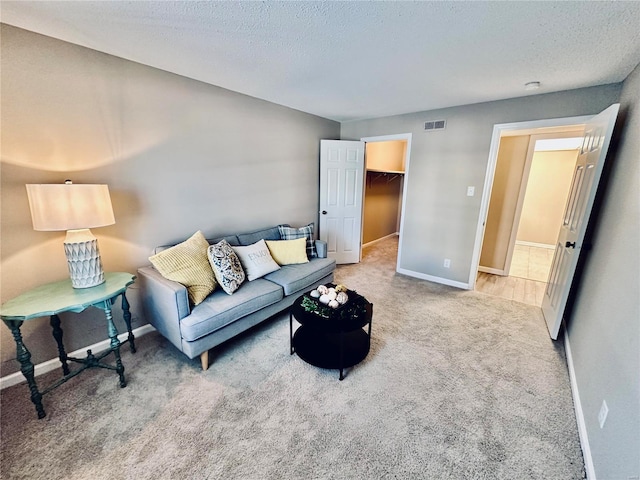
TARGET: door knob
(324,212)
(570,245)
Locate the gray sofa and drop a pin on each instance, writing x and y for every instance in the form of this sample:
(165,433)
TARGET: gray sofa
(195,330)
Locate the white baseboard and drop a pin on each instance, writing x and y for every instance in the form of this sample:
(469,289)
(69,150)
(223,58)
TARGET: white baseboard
(493,271)
(373,242)
(582,427)
(431,278)
(533,244)
(44,367)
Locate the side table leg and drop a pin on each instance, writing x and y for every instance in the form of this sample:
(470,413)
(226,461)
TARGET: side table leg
(290,333)
(127,319)
(57,334)
(115,345)
(341,356)
(26,367)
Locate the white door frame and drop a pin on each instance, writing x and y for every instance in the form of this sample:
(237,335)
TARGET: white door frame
(407,158)
(523,128)
(533,138)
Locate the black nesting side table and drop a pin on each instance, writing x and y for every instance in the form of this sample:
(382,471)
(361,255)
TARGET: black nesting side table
(329,338)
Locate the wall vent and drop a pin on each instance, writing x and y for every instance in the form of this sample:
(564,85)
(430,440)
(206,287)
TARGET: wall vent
(435,125)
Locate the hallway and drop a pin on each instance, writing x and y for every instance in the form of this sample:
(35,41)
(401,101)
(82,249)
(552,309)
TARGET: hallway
(528,276)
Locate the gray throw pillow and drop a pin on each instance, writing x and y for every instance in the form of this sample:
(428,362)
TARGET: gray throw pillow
(226,266)
(256,260)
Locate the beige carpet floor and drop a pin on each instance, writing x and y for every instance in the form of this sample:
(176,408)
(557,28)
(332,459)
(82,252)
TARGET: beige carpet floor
(458,385)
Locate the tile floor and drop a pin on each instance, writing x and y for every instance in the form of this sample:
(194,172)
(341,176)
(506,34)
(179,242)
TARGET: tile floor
(533,263)
(527,278)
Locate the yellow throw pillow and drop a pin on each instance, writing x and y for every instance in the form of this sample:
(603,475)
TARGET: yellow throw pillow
(188,264)
(288,252)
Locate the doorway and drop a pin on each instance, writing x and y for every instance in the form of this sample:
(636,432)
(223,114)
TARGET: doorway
(342,195)
(387,161)
(384,179)
(548,183)
(598,131)
(533,174)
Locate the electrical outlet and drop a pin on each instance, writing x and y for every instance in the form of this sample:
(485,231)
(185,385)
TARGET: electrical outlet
(602,415)
(471,191)
(447,263)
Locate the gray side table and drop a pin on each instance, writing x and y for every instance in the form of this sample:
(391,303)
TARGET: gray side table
(54,298)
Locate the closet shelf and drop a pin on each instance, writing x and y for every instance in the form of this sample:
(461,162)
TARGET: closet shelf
(395,172)
(388,175)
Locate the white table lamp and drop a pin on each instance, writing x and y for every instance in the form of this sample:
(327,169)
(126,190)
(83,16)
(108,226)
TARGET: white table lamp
(76,209)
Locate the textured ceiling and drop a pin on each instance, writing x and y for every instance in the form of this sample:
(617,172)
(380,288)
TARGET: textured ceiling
(354,60)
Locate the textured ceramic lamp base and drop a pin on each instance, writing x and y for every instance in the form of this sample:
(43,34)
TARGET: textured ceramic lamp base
(83,259)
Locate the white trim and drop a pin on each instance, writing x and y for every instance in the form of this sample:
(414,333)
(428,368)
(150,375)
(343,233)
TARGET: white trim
(560,144)
(524,181)
(405,184)
(431,278)
(44,367)
(582,426)
(534,244)
(388,138)
(492,271)
(373,242)
(498,131)
(484,204)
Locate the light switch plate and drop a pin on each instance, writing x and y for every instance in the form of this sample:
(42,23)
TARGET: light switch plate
(602,414)
(471,191)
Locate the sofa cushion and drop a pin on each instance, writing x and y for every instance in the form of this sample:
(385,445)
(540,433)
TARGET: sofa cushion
(271,233)
(256,260)
(231,240)
(187,264)
(287,252)
(294,278)
(226,266)
(219,309)
(290,233)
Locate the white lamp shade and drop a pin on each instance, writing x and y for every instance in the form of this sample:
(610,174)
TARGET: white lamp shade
(57,207)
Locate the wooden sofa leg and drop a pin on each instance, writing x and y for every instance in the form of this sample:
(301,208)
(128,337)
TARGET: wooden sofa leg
(204,359)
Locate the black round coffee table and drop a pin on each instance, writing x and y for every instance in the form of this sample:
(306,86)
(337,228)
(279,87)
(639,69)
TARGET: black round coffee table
(331,338)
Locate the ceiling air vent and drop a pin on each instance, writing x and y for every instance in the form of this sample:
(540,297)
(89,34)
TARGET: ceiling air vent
(435,125)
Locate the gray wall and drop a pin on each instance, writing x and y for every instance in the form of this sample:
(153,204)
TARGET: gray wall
(439,219)
(604,330)
(178,156)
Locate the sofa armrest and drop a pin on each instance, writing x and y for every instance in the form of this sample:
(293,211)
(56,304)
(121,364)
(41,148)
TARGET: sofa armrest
(321,248)
(164,302)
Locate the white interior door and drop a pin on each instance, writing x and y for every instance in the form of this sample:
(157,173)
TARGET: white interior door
(586,177)
(341,194)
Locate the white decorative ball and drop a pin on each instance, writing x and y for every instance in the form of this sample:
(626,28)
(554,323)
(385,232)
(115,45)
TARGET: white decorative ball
(334,304)
(332,294)
(324,299)
(315,293)
(342,298)
(322,289)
